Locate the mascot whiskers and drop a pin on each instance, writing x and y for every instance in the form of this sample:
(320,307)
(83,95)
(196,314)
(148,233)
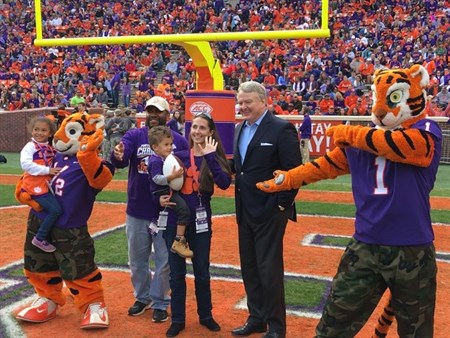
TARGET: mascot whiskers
(83,174)
(393,166)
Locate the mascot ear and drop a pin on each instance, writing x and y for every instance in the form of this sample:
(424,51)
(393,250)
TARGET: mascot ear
(420,70)
(98,120)
(377,72)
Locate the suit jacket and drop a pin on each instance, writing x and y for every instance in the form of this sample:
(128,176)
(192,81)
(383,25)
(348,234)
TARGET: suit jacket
(274,146)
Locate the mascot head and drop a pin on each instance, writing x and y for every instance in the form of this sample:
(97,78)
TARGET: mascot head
(399,97)
(75,129)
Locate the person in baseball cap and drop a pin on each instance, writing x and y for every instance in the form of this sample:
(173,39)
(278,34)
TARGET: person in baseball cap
(133,152)
(158,111)
(158,102)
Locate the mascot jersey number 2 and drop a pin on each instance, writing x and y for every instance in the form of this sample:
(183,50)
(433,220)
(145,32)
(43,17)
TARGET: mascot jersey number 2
(82,176)
(393,167)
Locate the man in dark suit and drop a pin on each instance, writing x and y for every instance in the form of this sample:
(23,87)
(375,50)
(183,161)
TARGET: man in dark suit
(262,144)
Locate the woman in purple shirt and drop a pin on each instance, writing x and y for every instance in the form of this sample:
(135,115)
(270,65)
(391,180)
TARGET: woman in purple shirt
(206,166)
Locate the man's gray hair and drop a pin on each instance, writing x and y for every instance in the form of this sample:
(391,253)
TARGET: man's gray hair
(254,87)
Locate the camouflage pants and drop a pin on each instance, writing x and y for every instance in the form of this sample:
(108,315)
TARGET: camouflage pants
(74,255)
(365,272)
(304,150)
(106,149)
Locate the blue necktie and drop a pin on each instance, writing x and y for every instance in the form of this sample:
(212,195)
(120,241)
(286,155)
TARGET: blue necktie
(245,138)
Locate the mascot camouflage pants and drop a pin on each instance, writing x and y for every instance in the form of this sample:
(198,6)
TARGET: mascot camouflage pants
(72,262)
(365,272)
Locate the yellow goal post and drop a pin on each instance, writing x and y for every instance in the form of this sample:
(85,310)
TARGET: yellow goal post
(209,75)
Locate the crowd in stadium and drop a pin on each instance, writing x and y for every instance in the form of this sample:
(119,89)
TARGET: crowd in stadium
(321,76)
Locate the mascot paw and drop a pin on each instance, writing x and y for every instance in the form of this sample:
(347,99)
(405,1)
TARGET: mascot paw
(343,135)
(25,198)
(279,183)
(93,142)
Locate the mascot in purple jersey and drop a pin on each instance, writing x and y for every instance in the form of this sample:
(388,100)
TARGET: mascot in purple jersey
(83,175)
(393,167)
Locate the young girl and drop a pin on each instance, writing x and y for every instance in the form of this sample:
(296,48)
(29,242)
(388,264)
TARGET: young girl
(36,160)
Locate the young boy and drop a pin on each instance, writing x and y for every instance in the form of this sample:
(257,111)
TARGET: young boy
(160,140)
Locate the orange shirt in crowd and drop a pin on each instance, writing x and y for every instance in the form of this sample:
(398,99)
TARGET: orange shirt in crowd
(430,66)
(350,100)
(344,86)
(367,68)
(325,104)
(360,107)
(270,80)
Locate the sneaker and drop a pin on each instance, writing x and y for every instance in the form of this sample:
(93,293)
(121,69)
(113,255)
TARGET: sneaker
(138,308)
(95,317)
(181,248)
(41,310)
(175,329)
(211,324)
(43,245)
(159,316)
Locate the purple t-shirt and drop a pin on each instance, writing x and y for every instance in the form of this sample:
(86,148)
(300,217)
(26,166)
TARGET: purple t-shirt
(140,203)
(392,199)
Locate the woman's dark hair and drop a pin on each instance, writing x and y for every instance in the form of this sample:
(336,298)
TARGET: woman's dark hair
(206,179)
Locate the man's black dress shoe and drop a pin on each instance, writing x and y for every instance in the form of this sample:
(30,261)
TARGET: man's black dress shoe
(274,335)
(247,329)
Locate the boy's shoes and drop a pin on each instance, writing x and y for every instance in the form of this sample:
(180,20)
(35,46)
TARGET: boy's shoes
(138,308)
(181,247)
(159,316)
(211,324)
(43,245)
(41,310)
(95,317)
(175,329)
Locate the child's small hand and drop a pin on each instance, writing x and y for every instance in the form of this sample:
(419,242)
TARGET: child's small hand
(175,174)
(54,171)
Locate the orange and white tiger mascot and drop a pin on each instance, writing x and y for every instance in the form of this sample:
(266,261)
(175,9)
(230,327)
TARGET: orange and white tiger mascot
(83,174)
(393,167)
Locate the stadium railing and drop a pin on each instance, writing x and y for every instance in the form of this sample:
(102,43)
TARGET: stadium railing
(14,129)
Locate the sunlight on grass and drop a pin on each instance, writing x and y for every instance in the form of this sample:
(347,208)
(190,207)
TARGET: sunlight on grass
(304,292)
(112,248)
(335,241)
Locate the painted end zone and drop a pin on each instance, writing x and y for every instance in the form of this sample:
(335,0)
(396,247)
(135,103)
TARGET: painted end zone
(312,252)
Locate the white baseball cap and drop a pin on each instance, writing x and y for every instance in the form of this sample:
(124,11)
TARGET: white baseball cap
(158,102)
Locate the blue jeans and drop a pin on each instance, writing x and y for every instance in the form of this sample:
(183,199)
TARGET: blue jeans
(147,289)
(51,205)
(126,100)
(200,244)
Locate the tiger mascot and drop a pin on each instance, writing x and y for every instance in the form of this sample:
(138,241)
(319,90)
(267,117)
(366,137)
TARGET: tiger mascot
(82,176)
(393,166)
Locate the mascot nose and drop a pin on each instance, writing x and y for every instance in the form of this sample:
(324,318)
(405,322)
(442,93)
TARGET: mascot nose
(379,113)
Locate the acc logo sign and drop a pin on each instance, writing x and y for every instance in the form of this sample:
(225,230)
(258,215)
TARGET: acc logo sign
(200,107)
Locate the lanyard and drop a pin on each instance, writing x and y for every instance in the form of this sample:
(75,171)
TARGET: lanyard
(195,175)
(43,151)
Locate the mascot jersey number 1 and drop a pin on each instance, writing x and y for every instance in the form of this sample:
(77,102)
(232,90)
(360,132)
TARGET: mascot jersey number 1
(393,167)
(82,176)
